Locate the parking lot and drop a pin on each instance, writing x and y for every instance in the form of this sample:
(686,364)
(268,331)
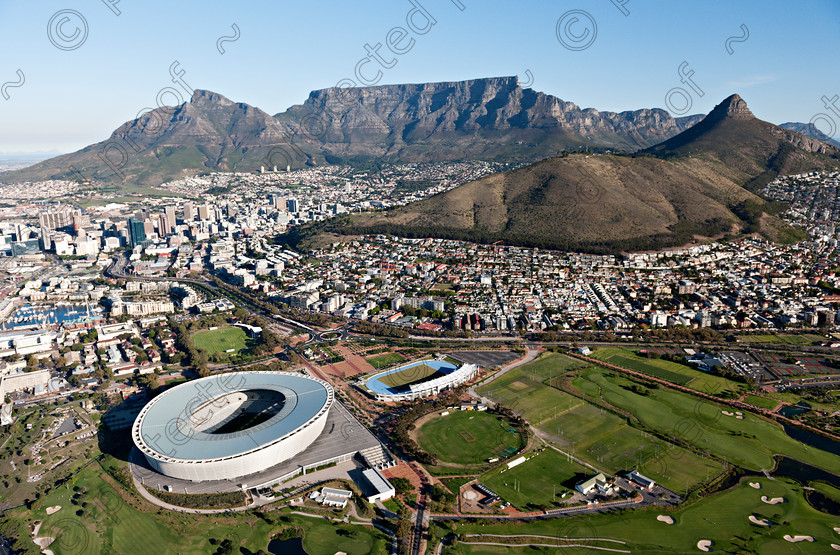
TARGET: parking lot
(485,359)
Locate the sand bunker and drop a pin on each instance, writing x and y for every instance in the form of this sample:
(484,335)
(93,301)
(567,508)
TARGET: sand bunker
(53,510)
(774,501)
(795,539)
(759,521)
(705,545)
(666,519)
(739,413)
(755,485)
(835,547)
(727,413)
(740,417)
(44,542)
(470,495)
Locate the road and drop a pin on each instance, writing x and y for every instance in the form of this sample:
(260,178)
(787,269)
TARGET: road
(421,517)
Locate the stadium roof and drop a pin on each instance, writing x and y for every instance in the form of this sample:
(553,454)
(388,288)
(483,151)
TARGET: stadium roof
(166,427)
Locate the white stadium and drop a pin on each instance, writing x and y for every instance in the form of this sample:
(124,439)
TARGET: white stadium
(227,426)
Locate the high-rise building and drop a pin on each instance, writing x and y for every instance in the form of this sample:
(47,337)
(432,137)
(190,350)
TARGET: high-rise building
(57,218)
(170,217)
(164,227)
(136,232)
(46,239)
(203,212)
(21,232)
(189,212)
(293,205)
(80,221)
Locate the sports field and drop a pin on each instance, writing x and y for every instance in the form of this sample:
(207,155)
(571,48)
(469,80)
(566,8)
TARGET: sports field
(534,482)
(523,389)
(549,365)
(103,522)
(722,518)
(408,376)
(599,437)
(221,340)
(468,437)
(750,442)
(782,338)
(671,371)
(607,441)
(381,361)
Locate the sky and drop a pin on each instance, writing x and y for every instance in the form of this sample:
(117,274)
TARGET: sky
(73,71)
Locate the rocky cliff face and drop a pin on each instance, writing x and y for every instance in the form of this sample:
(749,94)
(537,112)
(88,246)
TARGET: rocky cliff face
(389,119)
(810,131)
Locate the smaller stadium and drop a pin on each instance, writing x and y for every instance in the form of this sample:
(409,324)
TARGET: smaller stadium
(417,380)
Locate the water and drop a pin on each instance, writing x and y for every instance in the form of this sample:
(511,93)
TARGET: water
(293,546)
(804,473)
(29,315)
(813,440)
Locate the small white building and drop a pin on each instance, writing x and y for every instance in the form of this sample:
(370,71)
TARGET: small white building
(596,483)
(376,486)
(640,480)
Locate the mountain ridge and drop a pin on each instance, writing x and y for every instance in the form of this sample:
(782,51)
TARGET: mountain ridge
(488,118)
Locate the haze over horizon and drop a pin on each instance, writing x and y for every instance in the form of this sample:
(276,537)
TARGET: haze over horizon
(92,74)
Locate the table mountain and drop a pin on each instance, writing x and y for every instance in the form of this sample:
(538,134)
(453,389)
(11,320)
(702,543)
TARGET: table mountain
(493,118)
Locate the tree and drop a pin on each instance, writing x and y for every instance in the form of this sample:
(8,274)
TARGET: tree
(403,529)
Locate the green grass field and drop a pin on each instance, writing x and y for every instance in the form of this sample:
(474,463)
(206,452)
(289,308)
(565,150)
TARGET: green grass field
(467,437)
(110,524)
(750,442)
(549,365)
(670,371)
(606,441)
(220,340)
(782,338)
(761,402)
(679,469)
(598,437)
(523,389)
(408,376)
(534,482)
(381,361)
(722,518)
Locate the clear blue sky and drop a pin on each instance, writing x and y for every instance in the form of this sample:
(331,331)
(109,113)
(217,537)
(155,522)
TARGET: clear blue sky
(72,98)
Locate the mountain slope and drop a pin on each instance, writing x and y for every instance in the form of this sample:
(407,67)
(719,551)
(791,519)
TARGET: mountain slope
(492,118)
(206,134)
(811,131)
(691,185)
(756,150)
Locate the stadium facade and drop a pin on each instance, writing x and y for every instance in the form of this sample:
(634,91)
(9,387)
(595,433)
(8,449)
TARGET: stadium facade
(227,426)
(426,388)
